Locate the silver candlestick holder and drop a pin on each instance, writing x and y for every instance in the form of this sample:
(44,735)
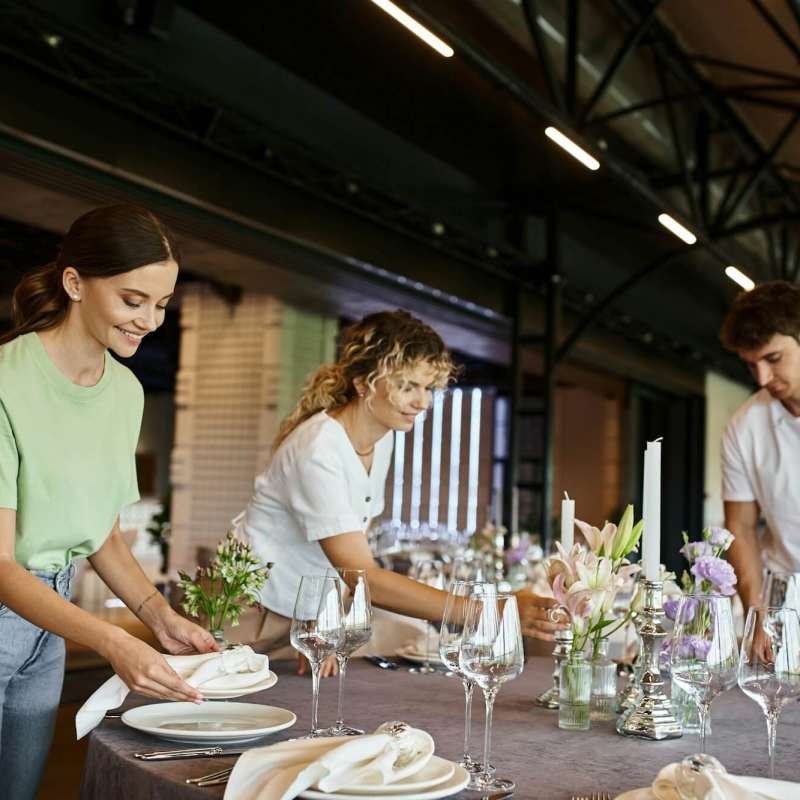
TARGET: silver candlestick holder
(650,716)
(562,649)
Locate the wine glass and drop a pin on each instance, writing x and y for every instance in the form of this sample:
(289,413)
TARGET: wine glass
(769,664)
(491,653)
(357,627)
(430,572)
(316,629)
(450,636)
(782,589)
(703,651)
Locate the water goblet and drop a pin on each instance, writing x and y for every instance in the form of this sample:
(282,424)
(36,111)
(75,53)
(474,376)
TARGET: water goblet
(491,654)
(316,630)
(769,664)
(703,651)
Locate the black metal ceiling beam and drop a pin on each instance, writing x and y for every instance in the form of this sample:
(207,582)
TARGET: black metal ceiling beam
(531,10)
(781,32)
(765,162)
(603,305)
(626,48)
(702,150)
(754,223)
(571,54)
(735,66)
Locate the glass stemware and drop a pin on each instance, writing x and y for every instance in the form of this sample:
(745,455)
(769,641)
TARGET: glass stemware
(703,651)
(431,573)
(357,629)
(491,653)
(450,637)
(769,664)
(316,629)
(782,589)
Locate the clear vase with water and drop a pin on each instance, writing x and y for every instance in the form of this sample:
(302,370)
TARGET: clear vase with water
(604,683)
(574,694)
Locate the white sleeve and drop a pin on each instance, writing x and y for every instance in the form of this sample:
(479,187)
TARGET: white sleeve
(318,496)
(736,485)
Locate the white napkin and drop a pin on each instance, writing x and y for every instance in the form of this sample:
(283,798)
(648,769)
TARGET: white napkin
(232,669)
(281,771)
(724,786)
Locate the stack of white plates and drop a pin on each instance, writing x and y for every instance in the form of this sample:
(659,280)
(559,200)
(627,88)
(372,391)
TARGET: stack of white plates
(439,778)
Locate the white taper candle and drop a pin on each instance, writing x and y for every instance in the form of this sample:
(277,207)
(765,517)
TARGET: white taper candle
(567,522)
(651,511)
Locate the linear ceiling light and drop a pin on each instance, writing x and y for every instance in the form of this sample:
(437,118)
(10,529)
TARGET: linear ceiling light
(672,225)
(418,30)
(739,277)
(576,152)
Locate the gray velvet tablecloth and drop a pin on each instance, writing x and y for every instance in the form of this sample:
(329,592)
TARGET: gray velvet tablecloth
(527,745)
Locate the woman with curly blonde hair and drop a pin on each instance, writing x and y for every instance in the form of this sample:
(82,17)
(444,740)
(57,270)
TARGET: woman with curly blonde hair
(325,482)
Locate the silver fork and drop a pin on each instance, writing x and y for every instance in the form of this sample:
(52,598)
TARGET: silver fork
(213,778)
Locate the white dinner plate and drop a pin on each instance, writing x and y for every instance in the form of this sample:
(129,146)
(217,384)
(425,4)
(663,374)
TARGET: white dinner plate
(458,780)
(228,694)
(410,653)
(231,723)
(436,771)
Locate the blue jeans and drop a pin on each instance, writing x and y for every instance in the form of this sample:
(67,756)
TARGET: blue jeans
(31,677)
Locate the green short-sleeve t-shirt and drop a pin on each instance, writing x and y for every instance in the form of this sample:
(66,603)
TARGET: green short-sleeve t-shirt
(67,453)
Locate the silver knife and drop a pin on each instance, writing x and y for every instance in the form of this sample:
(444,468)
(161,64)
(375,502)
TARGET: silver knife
(191,752)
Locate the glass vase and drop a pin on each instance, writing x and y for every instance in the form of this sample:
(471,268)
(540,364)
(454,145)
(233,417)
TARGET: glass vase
(604,683)
(685,711)
(574,694)
(219,637)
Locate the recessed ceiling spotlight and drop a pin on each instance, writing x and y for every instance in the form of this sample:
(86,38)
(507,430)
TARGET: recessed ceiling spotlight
(673,226)
(52,39)
(438,228)
(573,149)
(407,21)
(739,277)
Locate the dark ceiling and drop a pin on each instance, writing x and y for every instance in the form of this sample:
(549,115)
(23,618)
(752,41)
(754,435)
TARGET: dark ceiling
(339,101)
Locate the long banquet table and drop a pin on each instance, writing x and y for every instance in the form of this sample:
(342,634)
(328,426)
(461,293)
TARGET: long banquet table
(546,763)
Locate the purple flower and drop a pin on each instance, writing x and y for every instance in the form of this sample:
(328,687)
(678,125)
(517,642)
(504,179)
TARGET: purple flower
(691,551)
(717,571)
(692,646)
(671,608)
(720,537)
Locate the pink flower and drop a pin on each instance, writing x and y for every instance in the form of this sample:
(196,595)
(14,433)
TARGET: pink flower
(598,541)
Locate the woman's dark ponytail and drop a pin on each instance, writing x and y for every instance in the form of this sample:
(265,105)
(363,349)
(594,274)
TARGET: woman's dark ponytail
(104,242)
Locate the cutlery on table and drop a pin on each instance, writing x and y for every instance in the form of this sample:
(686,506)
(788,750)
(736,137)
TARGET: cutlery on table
(592,796)
(189,752)
(382,663)
(212,779)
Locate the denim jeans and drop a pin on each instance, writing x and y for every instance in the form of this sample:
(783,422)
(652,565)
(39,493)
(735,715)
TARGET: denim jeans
(31,677)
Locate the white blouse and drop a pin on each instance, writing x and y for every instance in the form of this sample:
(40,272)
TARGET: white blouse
(314,487)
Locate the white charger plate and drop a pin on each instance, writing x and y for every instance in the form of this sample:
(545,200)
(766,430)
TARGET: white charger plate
(232,723)
(409,653)
(436,771)
(457,782)
(228,694)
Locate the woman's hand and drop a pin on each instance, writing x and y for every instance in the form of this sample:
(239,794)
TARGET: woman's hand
(330,666)
(145,671)
(535,615)
(179,636)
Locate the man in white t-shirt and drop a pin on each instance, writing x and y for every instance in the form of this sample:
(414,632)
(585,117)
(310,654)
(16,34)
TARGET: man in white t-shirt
(761,443)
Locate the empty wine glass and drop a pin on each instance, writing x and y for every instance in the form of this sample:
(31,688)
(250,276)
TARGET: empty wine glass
(431,573)
(450,637)
(357,628)
(703,651)
(782,589)
(491,653)
(769,664)
(316,629)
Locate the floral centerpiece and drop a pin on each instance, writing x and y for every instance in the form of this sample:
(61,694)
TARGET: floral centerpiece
(220,591)
(708,573)
(585,582)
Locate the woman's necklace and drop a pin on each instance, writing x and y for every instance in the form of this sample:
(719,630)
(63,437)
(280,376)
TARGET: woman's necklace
(365,453)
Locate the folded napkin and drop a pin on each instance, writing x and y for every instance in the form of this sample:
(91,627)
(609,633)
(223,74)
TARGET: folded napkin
(712,785)
(237,668)
(281,771)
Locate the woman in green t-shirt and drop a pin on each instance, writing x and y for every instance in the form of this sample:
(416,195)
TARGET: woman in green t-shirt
(69,423)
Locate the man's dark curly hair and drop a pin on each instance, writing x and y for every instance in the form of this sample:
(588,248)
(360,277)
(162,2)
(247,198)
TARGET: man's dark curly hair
(756,316)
